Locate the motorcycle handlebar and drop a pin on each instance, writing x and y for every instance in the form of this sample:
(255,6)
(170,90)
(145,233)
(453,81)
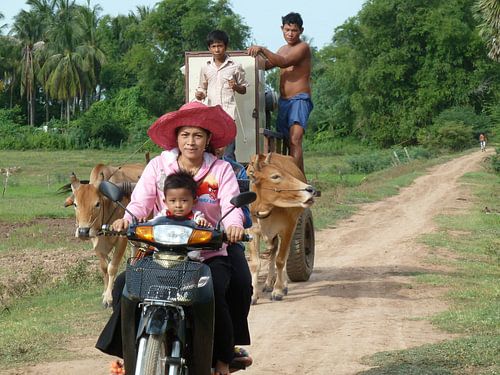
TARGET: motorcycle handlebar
(107,230)
(245,237)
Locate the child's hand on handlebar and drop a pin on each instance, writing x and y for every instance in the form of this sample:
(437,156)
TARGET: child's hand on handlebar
(234,234)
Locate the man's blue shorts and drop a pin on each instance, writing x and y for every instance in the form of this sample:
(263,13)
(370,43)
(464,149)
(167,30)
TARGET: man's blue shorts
(293,110)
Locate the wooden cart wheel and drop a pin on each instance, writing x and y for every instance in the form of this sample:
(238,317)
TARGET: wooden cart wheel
(300,263)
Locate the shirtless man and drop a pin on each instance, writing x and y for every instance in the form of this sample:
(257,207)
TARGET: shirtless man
(482,141)
(294,61)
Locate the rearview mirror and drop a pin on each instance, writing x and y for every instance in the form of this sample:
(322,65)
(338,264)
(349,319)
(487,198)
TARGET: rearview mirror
(243,199)
(111,191)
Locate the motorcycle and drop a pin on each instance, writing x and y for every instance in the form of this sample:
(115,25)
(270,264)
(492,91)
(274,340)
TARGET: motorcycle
(174,334)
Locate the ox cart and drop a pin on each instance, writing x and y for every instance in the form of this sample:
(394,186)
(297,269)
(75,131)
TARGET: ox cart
(256,136)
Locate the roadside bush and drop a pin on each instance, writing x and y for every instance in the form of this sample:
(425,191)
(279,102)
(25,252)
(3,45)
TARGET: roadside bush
(110,122)
(493,133)
(465,115)
(12,116)
(24,137)
(495,161)
(420,152)
(326,141)
(98,126)
(453,136)
(370,162)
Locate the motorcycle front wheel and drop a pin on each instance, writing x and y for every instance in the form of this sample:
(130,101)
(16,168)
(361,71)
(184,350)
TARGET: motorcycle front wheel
(154,360)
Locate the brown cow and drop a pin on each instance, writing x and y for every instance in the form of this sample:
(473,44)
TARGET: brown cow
(282,196)
(93,210)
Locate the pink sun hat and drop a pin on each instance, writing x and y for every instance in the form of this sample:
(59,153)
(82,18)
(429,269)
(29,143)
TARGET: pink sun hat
(214,119)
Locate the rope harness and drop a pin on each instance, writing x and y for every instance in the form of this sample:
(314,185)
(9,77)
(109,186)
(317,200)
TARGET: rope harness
(308,189)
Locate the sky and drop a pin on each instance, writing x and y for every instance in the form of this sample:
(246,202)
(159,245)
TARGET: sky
(263,17)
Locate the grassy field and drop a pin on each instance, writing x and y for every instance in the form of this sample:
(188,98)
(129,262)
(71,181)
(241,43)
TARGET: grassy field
(469,245)
(41,273)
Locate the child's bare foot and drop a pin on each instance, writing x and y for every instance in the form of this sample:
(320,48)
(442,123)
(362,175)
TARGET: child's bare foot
(221,368)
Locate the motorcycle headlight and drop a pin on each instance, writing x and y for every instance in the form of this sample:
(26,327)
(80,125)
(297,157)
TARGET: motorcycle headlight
(173,234)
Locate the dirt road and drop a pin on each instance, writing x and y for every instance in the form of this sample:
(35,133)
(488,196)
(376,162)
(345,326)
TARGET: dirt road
(360,299)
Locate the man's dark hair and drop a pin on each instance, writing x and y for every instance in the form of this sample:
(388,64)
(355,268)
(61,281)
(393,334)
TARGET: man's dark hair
(291,19)
(181,180)
(217,36)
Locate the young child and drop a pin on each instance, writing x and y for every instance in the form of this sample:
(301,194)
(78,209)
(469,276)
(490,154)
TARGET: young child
(220,78)
(180,196)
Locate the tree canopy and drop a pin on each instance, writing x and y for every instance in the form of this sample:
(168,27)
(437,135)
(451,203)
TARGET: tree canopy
(387,76)
(396,65)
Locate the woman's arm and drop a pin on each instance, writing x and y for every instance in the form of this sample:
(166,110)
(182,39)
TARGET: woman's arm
(228,188)
(143,199)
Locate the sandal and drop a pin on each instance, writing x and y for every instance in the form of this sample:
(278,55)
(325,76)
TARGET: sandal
(117,368)
(241,359)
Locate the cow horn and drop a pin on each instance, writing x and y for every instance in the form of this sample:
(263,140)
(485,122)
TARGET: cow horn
(268,159)
(255,162)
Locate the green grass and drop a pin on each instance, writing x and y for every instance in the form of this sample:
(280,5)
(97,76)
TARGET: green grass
(473,240)
(31,191)
(40,327)
(476,355)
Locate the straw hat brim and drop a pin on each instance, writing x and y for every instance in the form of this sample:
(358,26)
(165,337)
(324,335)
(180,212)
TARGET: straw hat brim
(213,119)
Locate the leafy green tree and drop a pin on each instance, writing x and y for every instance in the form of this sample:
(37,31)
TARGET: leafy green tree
(163,82)
(488,12)
(397,64)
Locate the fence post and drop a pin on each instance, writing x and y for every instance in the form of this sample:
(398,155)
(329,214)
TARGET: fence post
(397,158)
(7,174)
(407,154)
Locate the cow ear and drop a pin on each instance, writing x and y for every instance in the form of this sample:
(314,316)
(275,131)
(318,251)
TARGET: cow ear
(250,172)
(75,182)
(69,201)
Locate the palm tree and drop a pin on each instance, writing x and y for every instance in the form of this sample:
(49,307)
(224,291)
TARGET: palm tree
(488,13)
(93,56)
(28,30)
(65,67)
(4,25)
(142,11)
(45,8)
(9,63)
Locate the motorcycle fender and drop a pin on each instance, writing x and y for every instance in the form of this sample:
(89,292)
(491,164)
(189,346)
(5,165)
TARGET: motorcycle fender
(154,322)
(157,325)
